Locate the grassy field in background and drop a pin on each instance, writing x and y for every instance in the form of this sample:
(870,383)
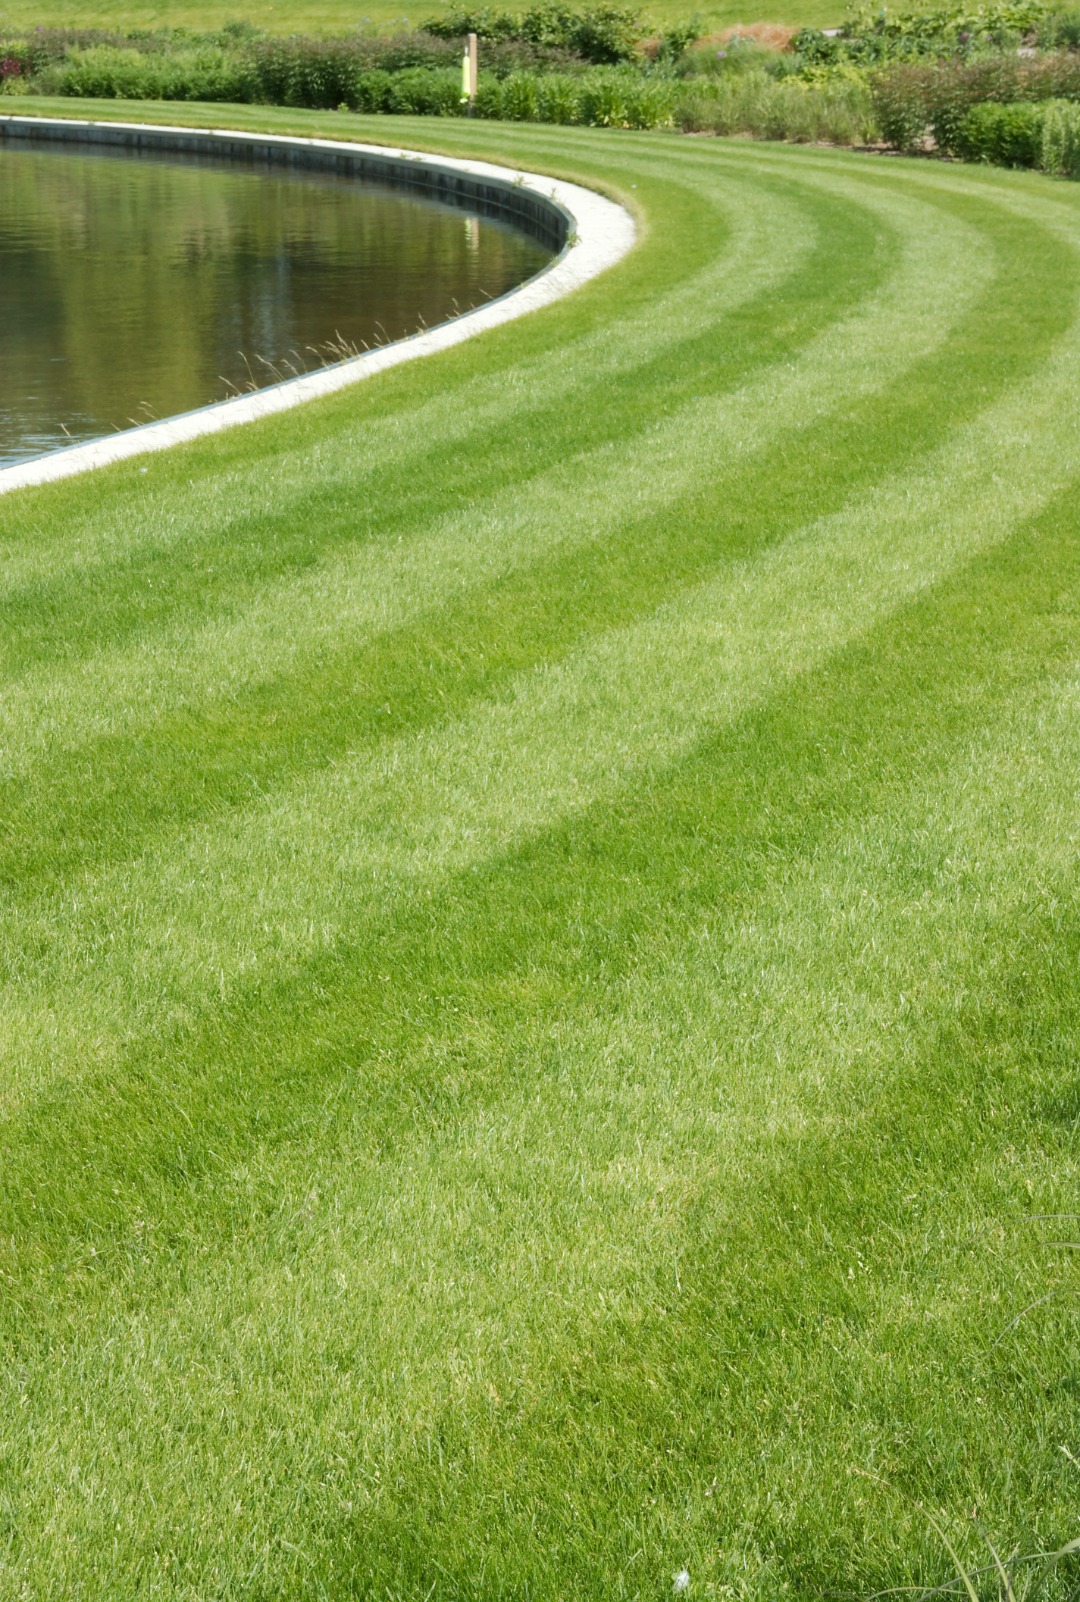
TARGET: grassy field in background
(334,17)
(541,1000)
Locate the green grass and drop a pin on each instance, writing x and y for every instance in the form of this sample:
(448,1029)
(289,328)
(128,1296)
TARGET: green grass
(336,17)
(540,949)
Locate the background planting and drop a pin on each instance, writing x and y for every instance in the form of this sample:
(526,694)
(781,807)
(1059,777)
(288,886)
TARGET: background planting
(912,80)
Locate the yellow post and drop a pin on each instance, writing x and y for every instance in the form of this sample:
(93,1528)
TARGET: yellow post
(474,68)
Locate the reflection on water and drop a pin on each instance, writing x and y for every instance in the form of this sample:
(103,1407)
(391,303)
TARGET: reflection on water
(135,286)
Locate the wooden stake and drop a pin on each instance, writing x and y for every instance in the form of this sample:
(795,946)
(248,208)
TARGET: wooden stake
(473,70)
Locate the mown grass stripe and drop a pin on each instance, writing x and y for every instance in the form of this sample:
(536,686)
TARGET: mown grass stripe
(1014,584)
(720,802)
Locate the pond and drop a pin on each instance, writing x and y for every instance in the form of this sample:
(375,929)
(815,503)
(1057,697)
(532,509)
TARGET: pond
(138,285)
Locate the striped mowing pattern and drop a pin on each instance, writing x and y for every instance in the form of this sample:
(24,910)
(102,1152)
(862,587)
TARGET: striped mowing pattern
(540,987)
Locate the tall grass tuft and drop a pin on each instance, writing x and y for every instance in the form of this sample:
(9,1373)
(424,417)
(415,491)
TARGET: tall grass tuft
(754,103)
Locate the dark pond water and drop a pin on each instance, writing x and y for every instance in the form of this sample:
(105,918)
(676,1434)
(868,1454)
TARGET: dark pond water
(135,286)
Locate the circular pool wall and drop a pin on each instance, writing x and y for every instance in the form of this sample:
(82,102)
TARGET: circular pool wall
(533,219)
(140,284)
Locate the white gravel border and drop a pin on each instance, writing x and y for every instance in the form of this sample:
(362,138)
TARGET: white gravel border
(602,233)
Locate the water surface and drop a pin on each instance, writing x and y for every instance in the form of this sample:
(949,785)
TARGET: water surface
(138,285)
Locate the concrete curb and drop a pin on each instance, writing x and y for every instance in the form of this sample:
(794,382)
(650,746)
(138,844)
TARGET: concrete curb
(597,234)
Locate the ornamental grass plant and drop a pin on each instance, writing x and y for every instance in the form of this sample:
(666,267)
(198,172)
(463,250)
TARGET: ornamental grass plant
(1059,148)
(764,107)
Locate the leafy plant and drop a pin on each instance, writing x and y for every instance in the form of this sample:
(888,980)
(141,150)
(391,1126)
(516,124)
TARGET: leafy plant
(878,38)
(603,34)
(105,72)
(613,97)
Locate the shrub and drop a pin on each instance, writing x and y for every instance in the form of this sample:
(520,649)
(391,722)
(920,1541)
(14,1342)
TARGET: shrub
(424,92)
(558,99)
(319,74)
(626,100)
(901,105)
(1027,133)
(400,50)
(47,46)
(484,21)
(1008,136)
(1059,150)
(675,41)
(605,34)
(738,55)
(911,101)
(371,91)
(519,100)
(914,101)
(328,74)
(504,56)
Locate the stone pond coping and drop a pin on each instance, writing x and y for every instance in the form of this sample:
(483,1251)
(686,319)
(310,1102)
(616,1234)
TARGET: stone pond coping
(588,232)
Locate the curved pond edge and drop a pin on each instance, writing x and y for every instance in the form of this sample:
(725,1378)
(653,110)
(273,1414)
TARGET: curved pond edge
(589,232)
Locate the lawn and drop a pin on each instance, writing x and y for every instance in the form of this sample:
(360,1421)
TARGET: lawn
(541,998)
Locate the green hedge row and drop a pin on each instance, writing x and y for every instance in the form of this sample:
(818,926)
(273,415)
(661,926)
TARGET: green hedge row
(1009,110)
(605,97)
(296,71)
